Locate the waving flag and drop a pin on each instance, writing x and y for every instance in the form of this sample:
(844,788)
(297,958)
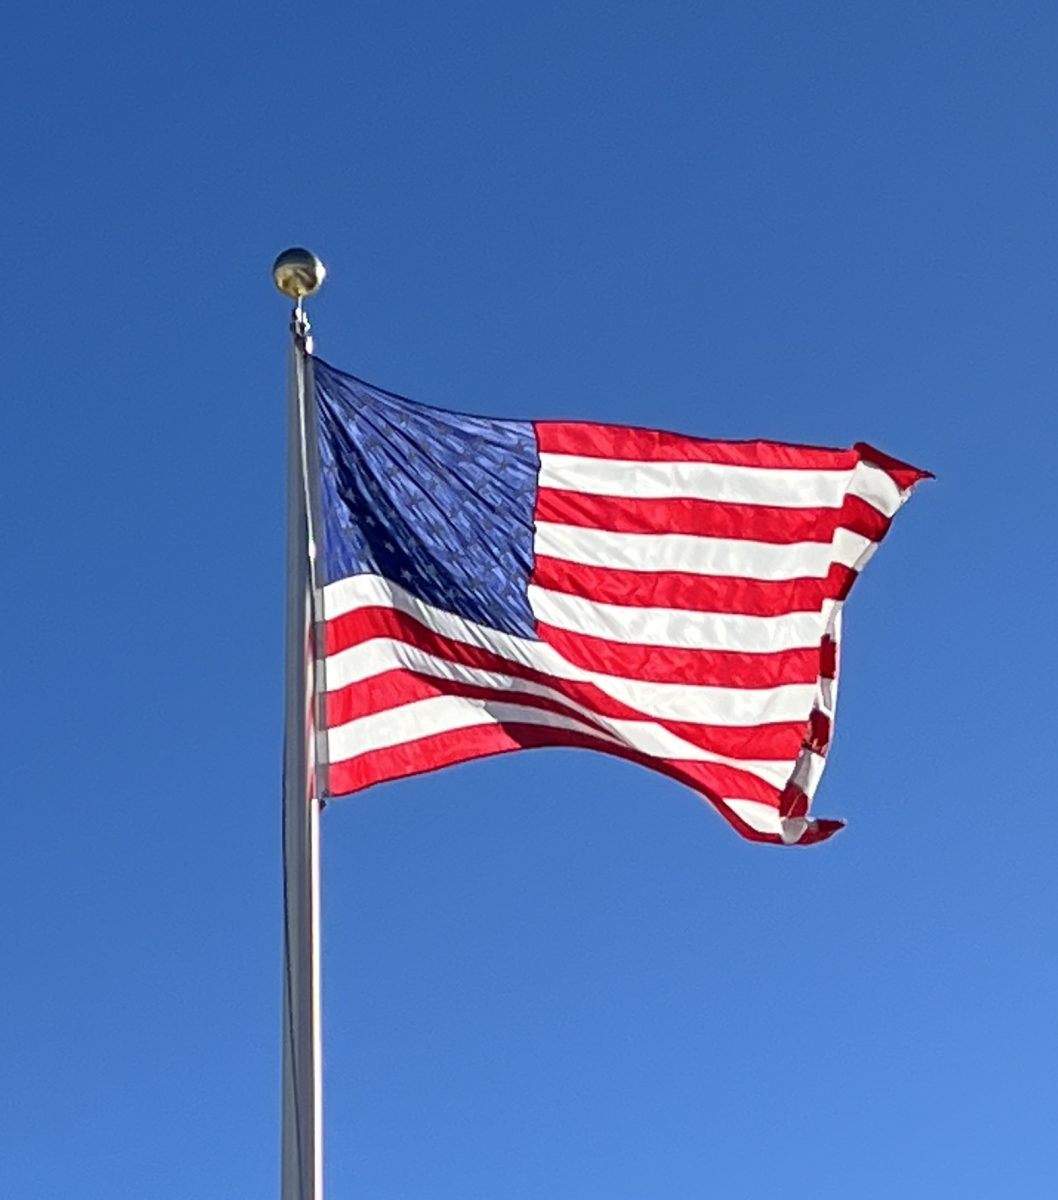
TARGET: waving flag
(490,585)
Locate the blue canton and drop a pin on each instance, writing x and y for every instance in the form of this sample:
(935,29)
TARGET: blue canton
(438,502)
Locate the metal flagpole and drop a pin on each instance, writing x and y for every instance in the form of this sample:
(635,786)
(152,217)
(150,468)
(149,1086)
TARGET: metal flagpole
(297,274)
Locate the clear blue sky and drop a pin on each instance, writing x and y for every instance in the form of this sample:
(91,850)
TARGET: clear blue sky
(548,974)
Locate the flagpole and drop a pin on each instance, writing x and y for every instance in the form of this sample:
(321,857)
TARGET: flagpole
(298,273)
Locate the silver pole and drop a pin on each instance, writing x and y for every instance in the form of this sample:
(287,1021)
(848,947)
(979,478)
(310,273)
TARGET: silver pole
(297,274)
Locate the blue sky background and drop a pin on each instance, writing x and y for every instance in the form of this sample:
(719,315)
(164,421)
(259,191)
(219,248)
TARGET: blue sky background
(549,974)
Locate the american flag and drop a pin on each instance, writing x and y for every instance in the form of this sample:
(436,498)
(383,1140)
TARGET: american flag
(488,585)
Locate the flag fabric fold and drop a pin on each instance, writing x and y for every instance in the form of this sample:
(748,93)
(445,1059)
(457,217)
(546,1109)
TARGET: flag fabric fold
(491,585)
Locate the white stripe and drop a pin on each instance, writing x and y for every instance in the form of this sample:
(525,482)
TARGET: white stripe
(438,714)
(368,659)
(858,557)
(666,701)
(693,703)
(808,772)
(783,487)
(878,488)
(765,819)
(851,549)
(448,714)
(681,628)
(738,557)
(757,815)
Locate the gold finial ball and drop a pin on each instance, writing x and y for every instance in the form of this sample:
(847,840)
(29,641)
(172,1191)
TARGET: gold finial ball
(298,272)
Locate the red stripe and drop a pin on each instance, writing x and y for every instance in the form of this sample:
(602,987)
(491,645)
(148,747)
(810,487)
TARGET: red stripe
(817,733)
(362,624)
(628,442)
(776,740)
(828,659)
(652,664)
(444,749)
(793,802)
(697,593)
(398,688)
(901,473)
(669,664)
(779,741)
(709,518)
(590,440)
(819,830)
(840,581)
(391,689)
